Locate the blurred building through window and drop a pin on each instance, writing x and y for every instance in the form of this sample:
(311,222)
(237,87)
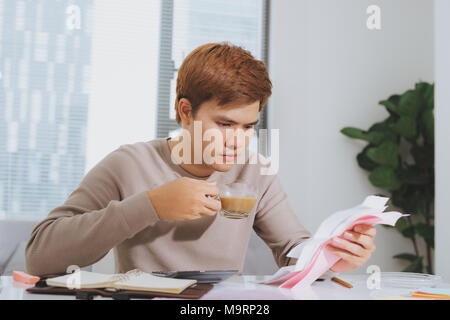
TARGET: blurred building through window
(79,78)
(44,86)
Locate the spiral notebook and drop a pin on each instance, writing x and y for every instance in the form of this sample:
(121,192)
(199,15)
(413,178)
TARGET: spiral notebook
(132,280)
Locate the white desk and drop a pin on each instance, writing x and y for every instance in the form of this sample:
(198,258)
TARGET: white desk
(244,287)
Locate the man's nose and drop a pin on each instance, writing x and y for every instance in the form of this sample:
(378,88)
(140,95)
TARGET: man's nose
(234,141)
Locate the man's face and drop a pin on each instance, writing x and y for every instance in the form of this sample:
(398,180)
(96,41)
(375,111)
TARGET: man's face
(234,124)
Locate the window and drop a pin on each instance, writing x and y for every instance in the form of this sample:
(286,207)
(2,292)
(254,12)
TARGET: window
(79,78)
(187,24)
(45,72)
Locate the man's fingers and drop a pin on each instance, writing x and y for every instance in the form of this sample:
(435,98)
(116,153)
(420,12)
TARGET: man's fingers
(207,212)
(205,192)
(209,189)
(365,229)
(361,239)
(348,257)
(212,204)
(351,247)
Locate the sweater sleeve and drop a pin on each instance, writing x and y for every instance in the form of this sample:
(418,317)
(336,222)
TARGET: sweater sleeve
(277,224)
(92,221)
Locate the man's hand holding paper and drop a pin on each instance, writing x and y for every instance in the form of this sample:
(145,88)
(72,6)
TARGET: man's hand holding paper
(354,248)
(323,253)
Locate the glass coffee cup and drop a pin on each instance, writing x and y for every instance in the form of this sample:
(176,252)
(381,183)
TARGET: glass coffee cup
(237,199)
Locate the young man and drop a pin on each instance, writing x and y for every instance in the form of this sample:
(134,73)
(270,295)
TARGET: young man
(159,214)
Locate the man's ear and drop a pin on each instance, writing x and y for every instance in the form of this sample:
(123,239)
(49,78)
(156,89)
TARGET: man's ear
(185,111)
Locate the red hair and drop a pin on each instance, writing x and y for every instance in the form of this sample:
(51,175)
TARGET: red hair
(224,72)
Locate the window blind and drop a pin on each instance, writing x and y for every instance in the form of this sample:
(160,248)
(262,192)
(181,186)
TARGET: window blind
(44,77)
(187,24)
(73,71)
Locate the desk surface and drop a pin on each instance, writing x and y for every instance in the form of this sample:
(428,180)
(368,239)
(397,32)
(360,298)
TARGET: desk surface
(246,287)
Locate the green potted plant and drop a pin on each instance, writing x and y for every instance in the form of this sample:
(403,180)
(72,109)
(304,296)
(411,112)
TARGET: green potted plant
(399,157)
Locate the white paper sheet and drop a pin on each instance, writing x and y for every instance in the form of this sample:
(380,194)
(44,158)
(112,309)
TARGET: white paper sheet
(313,257)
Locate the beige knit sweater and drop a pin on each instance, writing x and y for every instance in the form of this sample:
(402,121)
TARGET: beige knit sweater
(110,209)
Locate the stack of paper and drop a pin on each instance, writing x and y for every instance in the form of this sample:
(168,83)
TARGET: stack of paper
(314,258)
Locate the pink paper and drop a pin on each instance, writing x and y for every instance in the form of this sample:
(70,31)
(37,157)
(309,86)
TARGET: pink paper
(321,260)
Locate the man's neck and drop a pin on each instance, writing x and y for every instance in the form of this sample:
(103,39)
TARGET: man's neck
(198,170)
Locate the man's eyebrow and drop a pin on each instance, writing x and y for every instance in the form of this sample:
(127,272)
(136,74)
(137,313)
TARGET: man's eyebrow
(226,119)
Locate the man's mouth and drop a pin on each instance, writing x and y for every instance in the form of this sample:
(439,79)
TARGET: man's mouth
(229,156)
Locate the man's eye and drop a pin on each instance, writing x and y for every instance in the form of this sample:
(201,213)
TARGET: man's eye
(250,127)
(224,124)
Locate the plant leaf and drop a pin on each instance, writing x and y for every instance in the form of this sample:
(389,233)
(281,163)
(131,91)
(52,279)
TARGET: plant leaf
(373,137)
(405,256)
(422,88)
(415,266)
(364,161)
(413,199)
(428,123)
(385,178)
(428,95)
(406,126)
(391,105)
(398,198)
(386,154)
(405,228)
(381,132)
(426,232)
(354,133)
(409,104)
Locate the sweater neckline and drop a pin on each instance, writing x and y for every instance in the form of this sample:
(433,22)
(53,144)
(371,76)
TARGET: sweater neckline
(166,151)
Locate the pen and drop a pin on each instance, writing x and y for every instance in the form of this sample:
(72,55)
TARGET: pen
(341,282)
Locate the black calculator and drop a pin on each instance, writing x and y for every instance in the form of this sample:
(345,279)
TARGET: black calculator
(209,276)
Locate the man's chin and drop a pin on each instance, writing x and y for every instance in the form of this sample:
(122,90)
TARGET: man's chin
(222,167)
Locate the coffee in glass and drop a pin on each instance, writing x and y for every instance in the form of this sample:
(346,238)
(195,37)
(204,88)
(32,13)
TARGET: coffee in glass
(237,199)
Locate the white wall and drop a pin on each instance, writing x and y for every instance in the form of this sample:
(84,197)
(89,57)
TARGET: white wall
(124,77)
(442,114)
(329,71)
